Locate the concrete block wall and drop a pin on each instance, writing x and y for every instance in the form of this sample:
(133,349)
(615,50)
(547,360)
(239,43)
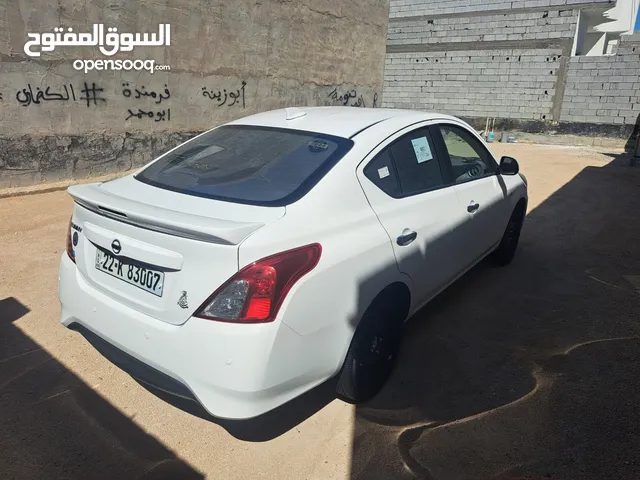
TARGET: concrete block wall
(509,60)
(509,83)
(406,8)
(484,28)
(603,90)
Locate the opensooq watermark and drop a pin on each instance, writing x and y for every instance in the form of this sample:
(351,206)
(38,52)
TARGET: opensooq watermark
(109,44)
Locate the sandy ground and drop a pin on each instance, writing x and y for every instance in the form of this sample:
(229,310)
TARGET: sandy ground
(530,371)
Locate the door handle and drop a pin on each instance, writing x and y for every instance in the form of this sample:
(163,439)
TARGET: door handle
(407,237)
(473,207)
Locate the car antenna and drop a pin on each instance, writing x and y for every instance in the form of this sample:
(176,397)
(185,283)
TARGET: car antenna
(293,112)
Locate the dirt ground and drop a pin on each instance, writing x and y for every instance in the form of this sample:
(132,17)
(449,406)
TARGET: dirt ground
(529,371)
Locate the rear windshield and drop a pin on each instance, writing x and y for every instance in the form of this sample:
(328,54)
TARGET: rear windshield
(247,164)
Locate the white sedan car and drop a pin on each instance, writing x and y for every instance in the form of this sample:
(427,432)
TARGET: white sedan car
(267,255)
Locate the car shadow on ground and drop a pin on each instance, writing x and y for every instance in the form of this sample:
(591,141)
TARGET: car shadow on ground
(529,371)
(53,425)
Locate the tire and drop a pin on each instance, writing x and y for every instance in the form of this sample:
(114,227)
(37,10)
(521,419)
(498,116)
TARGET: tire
(506,250)
(372,353)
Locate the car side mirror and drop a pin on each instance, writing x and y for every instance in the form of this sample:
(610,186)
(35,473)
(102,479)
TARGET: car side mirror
(509,166)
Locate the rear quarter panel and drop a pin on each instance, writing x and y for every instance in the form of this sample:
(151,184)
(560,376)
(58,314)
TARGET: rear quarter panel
(357,262)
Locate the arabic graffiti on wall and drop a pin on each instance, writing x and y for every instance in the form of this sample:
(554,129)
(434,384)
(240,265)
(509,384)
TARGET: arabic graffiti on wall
(144,103)
(141,92)
(91,95)
(237,96)
(344,98)
(158,116)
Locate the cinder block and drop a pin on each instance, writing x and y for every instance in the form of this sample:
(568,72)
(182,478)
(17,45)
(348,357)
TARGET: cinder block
(628,113)
(579,99)
(622,100)
(578,118)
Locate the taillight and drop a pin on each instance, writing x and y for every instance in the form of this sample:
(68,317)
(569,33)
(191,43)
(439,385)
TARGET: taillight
(70,251)
(255,293)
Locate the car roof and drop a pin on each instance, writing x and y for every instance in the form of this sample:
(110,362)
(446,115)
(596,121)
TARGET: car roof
(339,121)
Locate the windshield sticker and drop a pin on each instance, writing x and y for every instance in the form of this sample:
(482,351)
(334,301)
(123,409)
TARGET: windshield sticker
(422,149)
(383,172)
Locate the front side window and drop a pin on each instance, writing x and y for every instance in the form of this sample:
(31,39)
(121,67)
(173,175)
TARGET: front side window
(469,159)
(248,164)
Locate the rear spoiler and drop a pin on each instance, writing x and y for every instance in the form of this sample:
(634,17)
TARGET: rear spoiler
(94,198)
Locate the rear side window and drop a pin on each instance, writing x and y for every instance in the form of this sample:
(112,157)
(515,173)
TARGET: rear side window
(248,164)
(382,173)
(416,162)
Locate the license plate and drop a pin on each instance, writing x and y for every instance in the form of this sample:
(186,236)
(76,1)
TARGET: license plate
(142,277)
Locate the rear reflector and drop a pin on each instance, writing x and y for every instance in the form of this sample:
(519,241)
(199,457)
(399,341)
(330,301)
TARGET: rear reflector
(70,250)
(255,293)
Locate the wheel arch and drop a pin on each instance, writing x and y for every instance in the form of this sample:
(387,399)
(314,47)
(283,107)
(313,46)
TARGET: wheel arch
(522,205)
(397,292)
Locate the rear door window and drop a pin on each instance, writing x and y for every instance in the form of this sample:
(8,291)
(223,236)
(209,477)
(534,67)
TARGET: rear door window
(248,164)
(416,163)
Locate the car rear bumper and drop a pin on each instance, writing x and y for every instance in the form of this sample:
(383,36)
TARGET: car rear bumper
(233,371)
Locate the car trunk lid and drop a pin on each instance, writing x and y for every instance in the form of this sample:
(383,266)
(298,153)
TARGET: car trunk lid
(191,242)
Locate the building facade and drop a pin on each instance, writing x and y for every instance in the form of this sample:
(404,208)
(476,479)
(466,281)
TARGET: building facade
(568,65)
